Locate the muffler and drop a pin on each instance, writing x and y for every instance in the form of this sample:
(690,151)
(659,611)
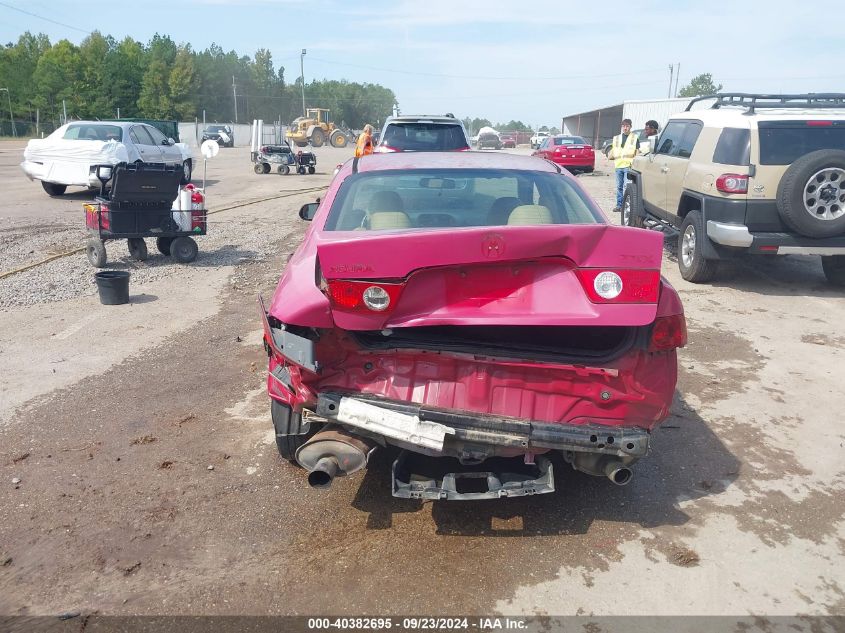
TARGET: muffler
(332,453)
(600,465)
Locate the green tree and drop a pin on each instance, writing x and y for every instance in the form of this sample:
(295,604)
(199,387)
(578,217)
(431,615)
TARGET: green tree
(700,86)
(124,71)
(182,84)
(94,97)
(55,76)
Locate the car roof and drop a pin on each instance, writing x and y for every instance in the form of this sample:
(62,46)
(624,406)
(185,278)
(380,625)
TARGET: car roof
(427,118)
(121,124)
(732,116)
(449,160)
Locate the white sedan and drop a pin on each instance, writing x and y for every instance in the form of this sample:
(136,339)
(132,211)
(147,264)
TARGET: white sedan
(69,156)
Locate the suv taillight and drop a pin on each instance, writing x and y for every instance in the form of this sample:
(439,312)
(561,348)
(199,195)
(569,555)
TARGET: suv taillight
(668,332)
(732,183)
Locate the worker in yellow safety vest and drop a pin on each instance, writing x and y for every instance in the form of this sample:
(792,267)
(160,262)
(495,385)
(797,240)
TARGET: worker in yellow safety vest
(364,145)
(622,153)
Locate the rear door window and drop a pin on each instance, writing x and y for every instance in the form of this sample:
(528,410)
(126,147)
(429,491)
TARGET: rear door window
(783,142)
(733,147)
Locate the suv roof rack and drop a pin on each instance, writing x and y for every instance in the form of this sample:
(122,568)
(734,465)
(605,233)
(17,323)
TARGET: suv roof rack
(752,101)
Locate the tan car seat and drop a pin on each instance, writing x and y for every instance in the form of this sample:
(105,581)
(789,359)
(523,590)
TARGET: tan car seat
(528,214)
(387,211)
(500,211)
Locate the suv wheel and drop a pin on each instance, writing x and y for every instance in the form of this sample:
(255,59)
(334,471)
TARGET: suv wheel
(631,209)
(834,269)
(811,194)
(691,262)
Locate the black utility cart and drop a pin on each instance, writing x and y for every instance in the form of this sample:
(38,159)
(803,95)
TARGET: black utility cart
(139,204)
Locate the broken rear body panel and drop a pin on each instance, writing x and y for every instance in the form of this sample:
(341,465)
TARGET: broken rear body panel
(494,343)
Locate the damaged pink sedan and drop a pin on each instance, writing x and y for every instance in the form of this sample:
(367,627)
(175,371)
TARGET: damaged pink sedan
(479,313)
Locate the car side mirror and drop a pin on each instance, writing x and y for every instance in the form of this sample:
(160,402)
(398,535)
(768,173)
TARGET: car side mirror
(308,211)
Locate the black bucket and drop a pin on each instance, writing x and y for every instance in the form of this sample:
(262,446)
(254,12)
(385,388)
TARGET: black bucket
(113,286)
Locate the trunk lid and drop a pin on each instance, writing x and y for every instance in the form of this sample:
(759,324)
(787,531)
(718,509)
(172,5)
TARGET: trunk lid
(509,275)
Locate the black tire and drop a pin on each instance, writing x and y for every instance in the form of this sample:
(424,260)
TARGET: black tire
(301,144)
(631,213)
(834,269)
(338,139)
(96,252)
(266,167)
(291,433)
(258,168)
(53,190)
(312,169)
(137,248)
(283,170)
(301,170)
(811,194)
(691,263)
(184,250)
(163,245)
(187,168)
(318,138)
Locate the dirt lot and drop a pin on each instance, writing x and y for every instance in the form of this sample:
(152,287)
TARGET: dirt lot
(138,473)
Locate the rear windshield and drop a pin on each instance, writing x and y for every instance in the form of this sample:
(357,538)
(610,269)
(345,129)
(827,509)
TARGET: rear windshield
(216,128)
(424,137)
(93,132)
(451,198)
(569,140)
(783,142)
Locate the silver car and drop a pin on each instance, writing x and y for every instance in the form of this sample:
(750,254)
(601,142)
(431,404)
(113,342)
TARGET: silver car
(68,157)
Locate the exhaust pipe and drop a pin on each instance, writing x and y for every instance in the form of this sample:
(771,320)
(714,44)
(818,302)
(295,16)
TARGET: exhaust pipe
(618,473)
(333,452)
(600,465)
(324,473)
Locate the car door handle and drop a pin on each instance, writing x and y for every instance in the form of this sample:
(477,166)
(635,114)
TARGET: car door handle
(664,169)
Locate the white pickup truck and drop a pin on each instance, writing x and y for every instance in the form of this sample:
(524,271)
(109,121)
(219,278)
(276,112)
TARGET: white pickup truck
(538,139)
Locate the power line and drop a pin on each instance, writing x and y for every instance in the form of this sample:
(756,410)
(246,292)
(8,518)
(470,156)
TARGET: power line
(41,17)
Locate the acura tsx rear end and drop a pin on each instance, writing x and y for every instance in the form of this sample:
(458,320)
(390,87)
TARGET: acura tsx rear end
(477,312)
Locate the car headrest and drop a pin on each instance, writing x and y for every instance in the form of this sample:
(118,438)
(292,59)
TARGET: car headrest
(527,214)
(389,220)
(386,201)
(500,211)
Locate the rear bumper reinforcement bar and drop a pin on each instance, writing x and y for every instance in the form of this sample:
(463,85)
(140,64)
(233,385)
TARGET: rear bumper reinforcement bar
(429,427)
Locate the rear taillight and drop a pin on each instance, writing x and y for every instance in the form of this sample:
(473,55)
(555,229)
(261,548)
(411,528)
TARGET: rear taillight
(668,332)
(363,296)
(732,183)
(620,286)
(820,123)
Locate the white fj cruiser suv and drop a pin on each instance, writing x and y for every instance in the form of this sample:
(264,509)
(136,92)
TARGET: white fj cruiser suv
(759,174)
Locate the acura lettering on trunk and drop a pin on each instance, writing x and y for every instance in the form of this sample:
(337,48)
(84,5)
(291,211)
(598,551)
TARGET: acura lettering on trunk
(478,316)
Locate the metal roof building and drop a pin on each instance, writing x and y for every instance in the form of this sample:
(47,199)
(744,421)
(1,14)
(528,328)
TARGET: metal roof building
(599,125)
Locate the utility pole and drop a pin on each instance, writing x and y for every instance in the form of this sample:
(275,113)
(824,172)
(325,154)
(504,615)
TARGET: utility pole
(671,76)
(11,116)
(235,98)
(302,78)
(677,77)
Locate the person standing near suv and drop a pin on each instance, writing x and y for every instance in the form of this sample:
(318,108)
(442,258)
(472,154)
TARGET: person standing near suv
(622,152)
(364,145)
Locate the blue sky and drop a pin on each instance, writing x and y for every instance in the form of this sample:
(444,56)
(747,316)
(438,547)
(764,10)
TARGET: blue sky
(534,60)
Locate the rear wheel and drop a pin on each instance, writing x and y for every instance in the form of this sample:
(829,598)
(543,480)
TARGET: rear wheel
(53,189)
(137,248)
(630,208)
(338,139)
(291,433)
(283,170)
(96,252)
(163,245)
(318,138)
(691,261)
(834,269)
(312,169)
(258,168)
(184,250)
(266,168)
